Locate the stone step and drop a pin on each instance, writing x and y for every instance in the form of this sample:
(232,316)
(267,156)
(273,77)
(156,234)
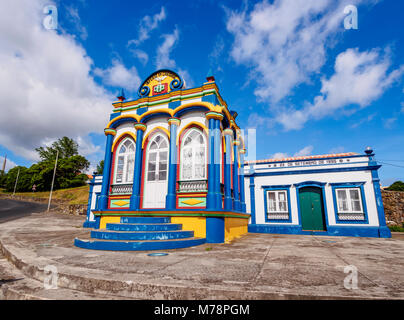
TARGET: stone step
(14,285)
(140,235)
(143,227)
(121,245)
(145,219)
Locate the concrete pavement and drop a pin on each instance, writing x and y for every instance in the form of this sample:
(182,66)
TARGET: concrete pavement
(256,266)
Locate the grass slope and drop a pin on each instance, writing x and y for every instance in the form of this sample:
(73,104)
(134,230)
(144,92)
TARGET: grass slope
(77,195)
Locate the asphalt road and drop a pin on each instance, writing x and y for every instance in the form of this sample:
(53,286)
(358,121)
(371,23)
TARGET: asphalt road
(13,209)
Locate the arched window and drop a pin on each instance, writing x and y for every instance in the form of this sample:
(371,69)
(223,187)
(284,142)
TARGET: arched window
(125,161)
(157,157)
(193,156)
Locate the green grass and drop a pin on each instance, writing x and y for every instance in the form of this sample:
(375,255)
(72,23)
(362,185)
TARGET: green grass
(77,195)
(397,228)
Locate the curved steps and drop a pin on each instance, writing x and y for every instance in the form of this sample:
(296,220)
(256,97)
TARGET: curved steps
(138,234)
(143,227)
(146,235)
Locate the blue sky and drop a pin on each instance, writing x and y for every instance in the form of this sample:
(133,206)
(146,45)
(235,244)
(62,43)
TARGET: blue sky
(289,68)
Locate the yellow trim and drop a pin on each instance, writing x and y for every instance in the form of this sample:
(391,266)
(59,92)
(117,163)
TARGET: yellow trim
(140,126)
(120,136)
(172,112)
(167,111)
(208,105)
(195,224)
(123,116)
(110,131)
(154,129)
(234,228)
(205,129)
(108,219)
(120,203)
(192,201)
(214,115)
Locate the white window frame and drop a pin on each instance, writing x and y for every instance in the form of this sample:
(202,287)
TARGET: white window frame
(158,161)
(193,165)
(277,202)
(126,156)
(349,200)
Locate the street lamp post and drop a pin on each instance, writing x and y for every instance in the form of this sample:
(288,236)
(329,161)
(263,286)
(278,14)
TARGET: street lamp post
(53,180)
(16,181)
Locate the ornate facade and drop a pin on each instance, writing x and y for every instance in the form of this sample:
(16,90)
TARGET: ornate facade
(177,153)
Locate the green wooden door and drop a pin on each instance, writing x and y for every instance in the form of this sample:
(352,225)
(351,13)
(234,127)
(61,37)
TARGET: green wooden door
(312,209)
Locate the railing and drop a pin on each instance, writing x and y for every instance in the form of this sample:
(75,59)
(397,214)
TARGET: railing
(351,216)
(193,186)
(121,189)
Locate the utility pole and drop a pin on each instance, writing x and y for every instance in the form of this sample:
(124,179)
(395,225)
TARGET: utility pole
(16,181)
(53,179)
(4,164)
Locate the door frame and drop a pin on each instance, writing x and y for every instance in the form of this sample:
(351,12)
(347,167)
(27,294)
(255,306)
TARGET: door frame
(315,184)
(143,176)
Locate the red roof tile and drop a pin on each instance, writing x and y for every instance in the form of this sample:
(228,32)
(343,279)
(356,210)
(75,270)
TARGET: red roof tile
(335,155)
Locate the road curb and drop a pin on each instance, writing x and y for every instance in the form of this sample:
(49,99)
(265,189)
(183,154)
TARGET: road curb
(150,291)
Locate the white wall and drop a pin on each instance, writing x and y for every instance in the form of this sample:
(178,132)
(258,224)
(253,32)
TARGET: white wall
(328,177)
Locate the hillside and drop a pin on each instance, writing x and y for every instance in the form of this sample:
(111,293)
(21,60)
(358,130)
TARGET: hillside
(77,195)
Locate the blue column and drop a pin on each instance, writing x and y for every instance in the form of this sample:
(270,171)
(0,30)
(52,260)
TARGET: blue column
(87,223)
(218,155)
(172,172)
(214,225)
(384,231)
(228,201)
(242,190)
(215,230)
(210,197)
(252,195)
(237,204)
(137,174)
(103,200)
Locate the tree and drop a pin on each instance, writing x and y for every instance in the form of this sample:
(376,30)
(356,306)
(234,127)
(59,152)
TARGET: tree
(3,178)
(396,186)
(100,167)
(24,179)
(67,148)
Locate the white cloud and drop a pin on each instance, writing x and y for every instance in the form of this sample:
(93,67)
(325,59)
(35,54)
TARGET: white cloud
(256,120)
(306,151)
(118,75)
(363,120)
(141,55)
(9,164)
(339,149)
(148,24)
(359,79)
(73,16)
(389,123)
(46,89)
(279,155)
(86,147)
(285,42)
(163,59)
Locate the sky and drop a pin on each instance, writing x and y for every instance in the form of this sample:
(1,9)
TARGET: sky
(294,70)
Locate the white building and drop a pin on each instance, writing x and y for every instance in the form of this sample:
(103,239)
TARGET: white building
(336,194)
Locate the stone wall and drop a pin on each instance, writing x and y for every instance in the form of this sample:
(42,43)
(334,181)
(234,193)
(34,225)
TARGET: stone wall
(393,202)
(62,206)
(75,209)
